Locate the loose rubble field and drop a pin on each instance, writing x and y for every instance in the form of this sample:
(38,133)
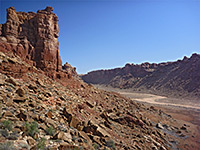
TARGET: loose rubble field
(39,112)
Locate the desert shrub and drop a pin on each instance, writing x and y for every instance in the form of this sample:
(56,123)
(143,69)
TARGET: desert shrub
(110,144)
(7,146)
(74,138)
(41,144)
(7,124)
(50,130)
(31,128)
(4,132)
(85,141)
(96,146)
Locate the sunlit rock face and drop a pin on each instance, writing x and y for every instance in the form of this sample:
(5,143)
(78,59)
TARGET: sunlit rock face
(33,37)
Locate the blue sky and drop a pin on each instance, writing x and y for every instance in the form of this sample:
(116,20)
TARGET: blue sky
(102,34)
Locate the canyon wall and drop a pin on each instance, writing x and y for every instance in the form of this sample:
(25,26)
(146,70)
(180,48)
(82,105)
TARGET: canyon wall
(179,78)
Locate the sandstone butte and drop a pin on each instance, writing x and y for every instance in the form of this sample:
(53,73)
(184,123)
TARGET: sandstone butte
(34,38)
(46,106)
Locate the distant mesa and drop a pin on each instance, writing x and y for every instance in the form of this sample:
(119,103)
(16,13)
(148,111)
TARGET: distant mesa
(179,79)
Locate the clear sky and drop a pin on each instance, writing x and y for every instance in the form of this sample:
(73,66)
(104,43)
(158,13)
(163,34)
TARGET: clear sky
(101,34)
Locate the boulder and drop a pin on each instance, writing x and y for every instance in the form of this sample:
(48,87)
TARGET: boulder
(65,146)
(101,132)
(19,99)
(159,125)
(2,82)
(22,115)
(76,123)
(49,114)
(67,113)
(69,69)
(63,136)
(7,114)
(12,81)
(91,104)
(31,141)
(85,136)
(20,92)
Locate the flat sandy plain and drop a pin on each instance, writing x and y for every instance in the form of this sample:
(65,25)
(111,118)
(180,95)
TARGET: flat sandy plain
(186,111)
(160,100)
(153,99)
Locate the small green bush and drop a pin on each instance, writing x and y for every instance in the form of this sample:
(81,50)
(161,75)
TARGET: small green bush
(41,144)
(96,146)
(7,146)
(31,128)
(4,132)
(7,124)
(110,144)
(50,130)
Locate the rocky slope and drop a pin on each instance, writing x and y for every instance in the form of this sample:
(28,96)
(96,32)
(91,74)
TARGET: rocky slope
(41,111)
(37,112)
(180,78)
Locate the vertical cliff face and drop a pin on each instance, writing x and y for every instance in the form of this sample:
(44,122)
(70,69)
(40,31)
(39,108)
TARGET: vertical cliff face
(32,36)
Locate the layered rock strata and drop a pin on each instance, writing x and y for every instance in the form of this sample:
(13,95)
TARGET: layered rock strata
(33,37)
(177,79)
